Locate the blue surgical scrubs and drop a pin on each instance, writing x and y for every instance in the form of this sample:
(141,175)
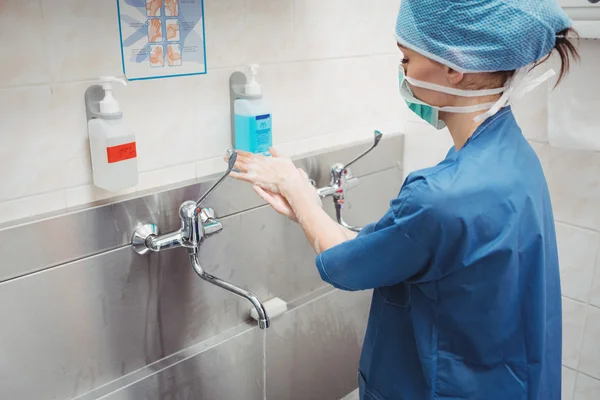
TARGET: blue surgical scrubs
(464,264)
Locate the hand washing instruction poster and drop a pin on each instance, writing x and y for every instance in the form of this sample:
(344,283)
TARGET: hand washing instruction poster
(162,38)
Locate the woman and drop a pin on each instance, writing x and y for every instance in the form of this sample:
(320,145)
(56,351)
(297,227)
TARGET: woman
(467,301)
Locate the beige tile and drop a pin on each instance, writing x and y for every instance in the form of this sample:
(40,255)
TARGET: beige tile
(32,206)
(269,31)
(83,37)
(577,253)
(44,141)
(587,388)
(568,383)
(342,28)
(25,58)
(166,176)
(589,361)
(26,141)
(226,34)
(88,194)
(574,185)
(210,166)
(573,323)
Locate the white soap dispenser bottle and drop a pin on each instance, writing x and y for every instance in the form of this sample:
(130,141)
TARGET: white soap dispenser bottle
(112,145)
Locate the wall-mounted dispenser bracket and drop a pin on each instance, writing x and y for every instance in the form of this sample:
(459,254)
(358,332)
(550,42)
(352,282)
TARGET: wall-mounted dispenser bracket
(237,83)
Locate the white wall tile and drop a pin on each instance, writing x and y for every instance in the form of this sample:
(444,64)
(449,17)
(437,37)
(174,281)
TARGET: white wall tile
(341,28)
(30,206)
(568,383)
(26,59)
(83,37)
(574,184)
(589,361)
(573,324)
(577,254)
(226,33)
(166,176)
(89,194)
(587,388)
(26,143)
(263,19)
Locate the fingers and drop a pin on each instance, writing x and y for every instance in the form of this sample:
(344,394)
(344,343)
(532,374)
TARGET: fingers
(278,203)
(303,173)
(242,177)
(274,152)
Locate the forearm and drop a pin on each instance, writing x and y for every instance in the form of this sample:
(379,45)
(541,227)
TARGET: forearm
(321,231)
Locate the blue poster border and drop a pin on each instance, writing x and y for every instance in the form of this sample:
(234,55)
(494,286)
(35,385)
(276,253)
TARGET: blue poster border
(163,76)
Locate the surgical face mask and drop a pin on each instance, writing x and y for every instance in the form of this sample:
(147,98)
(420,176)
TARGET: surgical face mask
(429,113)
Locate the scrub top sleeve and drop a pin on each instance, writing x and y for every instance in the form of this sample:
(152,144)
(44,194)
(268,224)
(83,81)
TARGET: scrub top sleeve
(382,255)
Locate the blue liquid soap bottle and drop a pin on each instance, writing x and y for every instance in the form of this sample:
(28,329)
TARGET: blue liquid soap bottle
(253,129)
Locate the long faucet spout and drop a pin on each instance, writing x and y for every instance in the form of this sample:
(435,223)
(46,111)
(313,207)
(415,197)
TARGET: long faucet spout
(263,318)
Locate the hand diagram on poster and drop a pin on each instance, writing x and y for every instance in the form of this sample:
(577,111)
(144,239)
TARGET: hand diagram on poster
(153,7)
(171,8)
(173,55)
(172,30)
(156,57)
(155,31)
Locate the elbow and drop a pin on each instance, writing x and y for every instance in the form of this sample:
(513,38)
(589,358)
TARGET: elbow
(333,280)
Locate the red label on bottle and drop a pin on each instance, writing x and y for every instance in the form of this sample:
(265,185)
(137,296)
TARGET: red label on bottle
(121,153)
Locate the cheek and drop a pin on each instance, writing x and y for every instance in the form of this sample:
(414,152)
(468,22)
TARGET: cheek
(427,72)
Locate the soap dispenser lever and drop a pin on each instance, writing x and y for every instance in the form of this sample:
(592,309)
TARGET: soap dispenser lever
(342,180)
(197,224)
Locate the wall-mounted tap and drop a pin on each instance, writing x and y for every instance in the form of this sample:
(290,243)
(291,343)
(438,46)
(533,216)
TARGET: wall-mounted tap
(197,224)
(342,180)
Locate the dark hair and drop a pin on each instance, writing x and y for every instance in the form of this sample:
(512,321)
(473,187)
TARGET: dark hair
(564,47)
(566,50)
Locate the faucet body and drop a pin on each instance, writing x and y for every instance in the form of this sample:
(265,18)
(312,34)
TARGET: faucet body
(197,224)
(341,180)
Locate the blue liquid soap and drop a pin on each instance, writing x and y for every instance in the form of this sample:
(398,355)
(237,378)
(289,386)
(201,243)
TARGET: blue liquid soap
(252,120)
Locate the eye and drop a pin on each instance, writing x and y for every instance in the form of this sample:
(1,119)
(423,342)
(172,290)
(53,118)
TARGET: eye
(404,60)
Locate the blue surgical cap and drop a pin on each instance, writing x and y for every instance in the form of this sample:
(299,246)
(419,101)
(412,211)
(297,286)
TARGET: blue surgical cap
(481,35)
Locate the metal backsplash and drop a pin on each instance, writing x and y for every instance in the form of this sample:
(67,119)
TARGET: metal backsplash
(83,316)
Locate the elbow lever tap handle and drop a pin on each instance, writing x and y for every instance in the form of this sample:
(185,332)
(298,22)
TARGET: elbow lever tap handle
(376,139)
(231,163)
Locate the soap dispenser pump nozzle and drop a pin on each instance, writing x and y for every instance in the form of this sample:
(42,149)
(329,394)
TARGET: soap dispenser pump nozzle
(109,105)
(252,87)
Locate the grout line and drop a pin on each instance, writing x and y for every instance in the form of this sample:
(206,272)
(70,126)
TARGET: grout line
(588,375)
(572,225)
(218,69)
(583,303)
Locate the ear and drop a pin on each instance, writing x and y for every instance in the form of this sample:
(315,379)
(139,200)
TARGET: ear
(454,77)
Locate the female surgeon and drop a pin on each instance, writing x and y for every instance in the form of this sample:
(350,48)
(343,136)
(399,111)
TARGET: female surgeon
(467,301)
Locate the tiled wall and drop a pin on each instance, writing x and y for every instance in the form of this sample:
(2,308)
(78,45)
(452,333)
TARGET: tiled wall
(574,181)
(329,73)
